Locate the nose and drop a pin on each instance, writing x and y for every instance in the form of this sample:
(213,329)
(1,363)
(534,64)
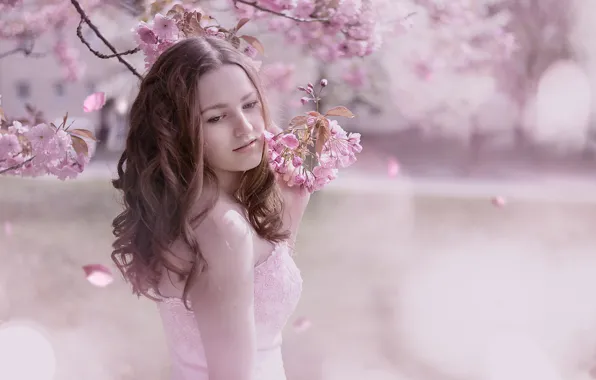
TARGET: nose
(242,126)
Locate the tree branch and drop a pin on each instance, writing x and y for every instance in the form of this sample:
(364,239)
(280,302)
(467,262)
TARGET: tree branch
(86,19)
(97,53)
(26,50)
(17,166)
(261,8)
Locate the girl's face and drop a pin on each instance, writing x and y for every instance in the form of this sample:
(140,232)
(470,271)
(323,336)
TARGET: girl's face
(233,124)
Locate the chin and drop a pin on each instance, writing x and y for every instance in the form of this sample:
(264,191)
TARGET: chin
(250,163)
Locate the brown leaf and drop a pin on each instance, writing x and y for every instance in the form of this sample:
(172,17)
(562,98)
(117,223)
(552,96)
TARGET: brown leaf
(298,120)
(83,133)
(255,43)
(241,23)
(340,111)
(79,145)
(2,115)
(176,12)
(315,114)
(323,134)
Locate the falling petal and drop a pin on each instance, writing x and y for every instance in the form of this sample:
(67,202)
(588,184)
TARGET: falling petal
(98,275)
(7,228)
(392,167)
(302,324)
(498,201)
(94,102)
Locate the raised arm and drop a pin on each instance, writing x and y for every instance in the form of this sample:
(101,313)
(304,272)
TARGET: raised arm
(223,298)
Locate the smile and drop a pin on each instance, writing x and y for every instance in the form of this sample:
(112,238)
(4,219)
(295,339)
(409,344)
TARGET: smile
(246,146)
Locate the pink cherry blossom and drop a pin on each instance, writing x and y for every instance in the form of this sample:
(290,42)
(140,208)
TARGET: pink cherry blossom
(165,28)
(43,149)
(9,146)
(40,136)
(98,275)
(145,34)
(290,141)
(94,102)
(287,151)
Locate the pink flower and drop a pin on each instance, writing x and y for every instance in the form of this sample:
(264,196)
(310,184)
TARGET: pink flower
(145,34)
(250,51)
(94,102)
(299,179)
(297,161)
(304,100)
(165,28)
(39,136)
(18,128)
(98,275)
(290,141)
(9,146)
(304,8)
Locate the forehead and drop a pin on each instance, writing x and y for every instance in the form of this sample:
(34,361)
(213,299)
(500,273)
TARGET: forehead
(226,85)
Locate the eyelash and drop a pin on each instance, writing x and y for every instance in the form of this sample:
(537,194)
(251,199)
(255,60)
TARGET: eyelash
(250,105)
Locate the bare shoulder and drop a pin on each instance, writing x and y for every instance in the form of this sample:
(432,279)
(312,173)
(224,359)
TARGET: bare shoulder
(225,235)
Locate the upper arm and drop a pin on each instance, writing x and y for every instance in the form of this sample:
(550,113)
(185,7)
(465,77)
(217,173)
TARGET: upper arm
(223,298)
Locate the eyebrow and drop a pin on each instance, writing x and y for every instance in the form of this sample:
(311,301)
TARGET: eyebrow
(221,105)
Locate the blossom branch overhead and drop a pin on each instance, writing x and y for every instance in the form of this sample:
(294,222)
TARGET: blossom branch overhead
(117,55)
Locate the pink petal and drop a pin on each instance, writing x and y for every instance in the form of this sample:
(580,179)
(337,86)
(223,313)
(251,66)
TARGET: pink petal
(7,228)
(94,102)
(498,201)
(392,167)
(302,324)
(98,275)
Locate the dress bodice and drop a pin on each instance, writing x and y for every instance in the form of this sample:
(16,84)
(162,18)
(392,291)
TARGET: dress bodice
(277,289)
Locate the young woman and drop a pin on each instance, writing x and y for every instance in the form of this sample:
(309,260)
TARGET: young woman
(207,230)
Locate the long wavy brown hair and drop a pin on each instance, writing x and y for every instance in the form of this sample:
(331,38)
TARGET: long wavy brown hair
(163,172)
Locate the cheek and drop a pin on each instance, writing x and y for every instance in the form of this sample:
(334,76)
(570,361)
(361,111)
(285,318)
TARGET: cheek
(257,121)
(215,145)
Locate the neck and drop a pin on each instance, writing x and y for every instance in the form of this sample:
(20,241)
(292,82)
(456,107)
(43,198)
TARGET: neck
(229,182)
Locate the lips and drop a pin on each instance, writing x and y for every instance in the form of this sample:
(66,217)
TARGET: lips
(245,145)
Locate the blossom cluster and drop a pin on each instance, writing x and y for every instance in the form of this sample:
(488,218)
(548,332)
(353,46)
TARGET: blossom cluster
(311,151)
(340,29)
(34,147)
(183,21)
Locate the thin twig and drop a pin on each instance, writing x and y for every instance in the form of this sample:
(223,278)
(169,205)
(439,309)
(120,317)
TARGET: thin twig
(17,166)
(85,18)
(261,8)
(97,53)
(26,50)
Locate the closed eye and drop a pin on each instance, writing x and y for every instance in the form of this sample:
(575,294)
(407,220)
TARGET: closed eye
(214,119)
(251,105)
